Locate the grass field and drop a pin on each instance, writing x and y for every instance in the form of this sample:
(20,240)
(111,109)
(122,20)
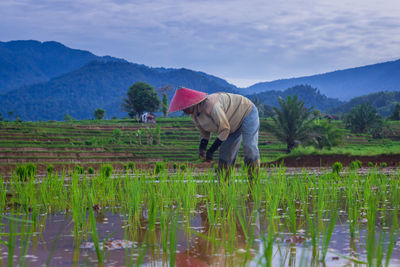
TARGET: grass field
(119,142)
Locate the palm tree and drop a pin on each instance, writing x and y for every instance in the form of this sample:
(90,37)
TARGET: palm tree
(362,118)
(292,122)
(325,134)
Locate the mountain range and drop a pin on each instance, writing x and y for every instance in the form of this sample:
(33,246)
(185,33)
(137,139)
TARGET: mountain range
(343,84)
(46,80)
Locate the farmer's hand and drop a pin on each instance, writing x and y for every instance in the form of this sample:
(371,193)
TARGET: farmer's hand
(202,154)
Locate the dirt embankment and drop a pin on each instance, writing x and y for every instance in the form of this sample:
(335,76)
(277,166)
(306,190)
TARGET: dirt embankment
(296,164)
(328,160)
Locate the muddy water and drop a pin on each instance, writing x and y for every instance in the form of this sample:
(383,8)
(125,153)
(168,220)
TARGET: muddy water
(198,244)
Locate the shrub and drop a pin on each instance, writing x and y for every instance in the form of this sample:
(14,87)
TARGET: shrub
(106,170)
(116,134)
(50,169)
(356,164)
(90,170)
(160,166)
(383,164)
(175,166)
(337,167)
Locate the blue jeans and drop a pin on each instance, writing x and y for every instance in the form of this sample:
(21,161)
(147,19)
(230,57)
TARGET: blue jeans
(248,131)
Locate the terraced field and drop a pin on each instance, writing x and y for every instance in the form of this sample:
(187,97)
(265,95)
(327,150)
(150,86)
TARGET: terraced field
(92,143)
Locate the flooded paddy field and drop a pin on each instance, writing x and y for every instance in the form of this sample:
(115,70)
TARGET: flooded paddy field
(159,219)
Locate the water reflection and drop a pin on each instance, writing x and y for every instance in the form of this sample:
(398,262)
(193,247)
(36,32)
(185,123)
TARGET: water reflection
(229,242)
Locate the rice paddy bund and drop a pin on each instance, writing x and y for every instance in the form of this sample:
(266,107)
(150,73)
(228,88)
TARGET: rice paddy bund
(143,218)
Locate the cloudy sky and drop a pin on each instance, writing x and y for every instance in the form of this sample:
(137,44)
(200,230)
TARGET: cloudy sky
(242,41)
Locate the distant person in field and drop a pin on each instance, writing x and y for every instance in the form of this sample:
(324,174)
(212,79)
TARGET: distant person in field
(232,117)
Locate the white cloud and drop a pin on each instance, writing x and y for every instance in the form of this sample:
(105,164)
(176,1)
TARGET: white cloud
(245,40)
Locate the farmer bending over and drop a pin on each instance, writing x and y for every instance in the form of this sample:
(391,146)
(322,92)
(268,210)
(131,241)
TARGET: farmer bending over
(230,116)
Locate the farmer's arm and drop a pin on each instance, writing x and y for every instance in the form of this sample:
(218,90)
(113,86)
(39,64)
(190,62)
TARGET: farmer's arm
(204,137)
(219,118)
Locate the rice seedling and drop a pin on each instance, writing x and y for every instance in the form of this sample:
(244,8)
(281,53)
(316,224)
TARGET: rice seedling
(236,215)
(94,234)
(12,234)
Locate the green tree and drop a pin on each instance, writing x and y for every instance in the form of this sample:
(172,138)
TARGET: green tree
(325,134)
(165,105)
(140,97)
(362,119)
(396,113)
(292,122)
(68,117)
(99,113)
(116,134)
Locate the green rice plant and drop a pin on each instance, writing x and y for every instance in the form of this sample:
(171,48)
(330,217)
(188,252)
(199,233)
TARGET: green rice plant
(328,231)
(173,239)
(3,194)
(26,171)
(131,166)
(371,239)
(21,172)
(353,203)
(12,238)
(30,169)
(50,169)
(159,167)
(356,164)
(78,196)
(394,233)
(90,170)
(94,234)
(79,169)
(106,170)
(26,231)
(182,167)
(337,168)
(175,165)
(370,164)
(383,164)
(268,242)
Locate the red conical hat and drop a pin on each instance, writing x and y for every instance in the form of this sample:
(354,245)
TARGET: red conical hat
(185,98)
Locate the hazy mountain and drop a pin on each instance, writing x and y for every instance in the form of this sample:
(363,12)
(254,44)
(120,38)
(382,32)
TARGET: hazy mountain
(56,80)
(383,102)
(311,97)
(98,85)
(343,84)
(28,62)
